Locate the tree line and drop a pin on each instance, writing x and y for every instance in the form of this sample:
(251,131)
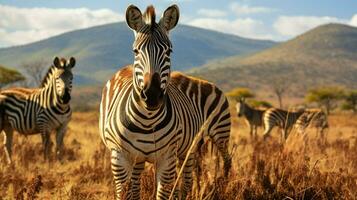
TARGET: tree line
(326,97)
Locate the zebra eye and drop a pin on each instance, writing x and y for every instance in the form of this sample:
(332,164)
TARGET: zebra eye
(136,52)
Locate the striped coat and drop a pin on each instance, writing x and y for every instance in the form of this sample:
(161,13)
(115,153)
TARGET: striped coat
(281,118)
(162,136)
(39,110)
(148,114)
(315,118)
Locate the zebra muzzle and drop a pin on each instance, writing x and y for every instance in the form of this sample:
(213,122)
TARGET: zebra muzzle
(66,96)
(152,94)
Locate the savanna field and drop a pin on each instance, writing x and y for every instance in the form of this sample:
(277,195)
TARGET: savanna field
(261,170)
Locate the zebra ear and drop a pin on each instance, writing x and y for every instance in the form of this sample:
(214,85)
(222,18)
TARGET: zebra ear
(170,18)
(72,62)
(134,18)
(57,62)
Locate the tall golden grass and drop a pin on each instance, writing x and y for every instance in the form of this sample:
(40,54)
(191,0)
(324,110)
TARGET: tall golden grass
(300,169)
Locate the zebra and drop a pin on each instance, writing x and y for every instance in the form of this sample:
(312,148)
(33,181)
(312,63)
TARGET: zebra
(39,110)
(316,118)
(148,114)
(281,118)
(254,117)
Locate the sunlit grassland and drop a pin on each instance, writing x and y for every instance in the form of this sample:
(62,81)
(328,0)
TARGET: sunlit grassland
(301,169)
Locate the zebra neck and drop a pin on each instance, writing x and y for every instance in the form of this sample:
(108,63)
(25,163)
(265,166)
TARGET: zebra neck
(52,99)
(139,116)
(248,112)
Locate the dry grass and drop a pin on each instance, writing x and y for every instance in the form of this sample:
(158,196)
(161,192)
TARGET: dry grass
(301,169)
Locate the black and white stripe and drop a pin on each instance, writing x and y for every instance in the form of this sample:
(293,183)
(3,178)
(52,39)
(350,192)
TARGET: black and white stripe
(39,110)
(254,117)
(148,114)
(281,118)
(314,118)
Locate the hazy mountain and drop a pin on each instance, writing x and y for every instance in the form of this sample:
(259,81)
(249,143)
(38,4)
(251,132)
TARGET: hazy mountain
(326,55)
(104,49)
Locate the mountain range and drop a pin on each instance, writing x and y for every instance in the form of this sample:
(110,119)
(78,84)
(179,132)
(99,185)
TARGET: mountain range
(326,55)
(102,50)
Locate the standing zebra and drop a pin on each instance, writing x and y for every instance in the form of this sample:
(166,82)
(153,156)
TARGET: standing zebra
(281,118)
(148,114)
(254,117)
(39,110)
(312,118)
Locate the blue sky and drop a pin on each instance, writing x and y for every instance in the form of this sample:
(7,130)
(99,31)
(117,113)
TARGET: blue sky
(25,21)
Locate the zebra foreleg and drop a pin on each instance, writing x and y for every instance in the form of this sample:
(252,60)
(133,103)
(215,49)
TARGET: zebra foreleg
(251,131)
(46,144)
(165,176)
(61,131)
(8,134)
(121,173)
(135,179)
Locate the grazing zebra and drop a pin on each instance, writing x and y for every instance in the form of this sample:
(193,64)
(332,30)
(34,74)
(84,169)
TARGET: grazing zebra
(39,110)
(148,114)
(312,118)
(254,117)
(281,118)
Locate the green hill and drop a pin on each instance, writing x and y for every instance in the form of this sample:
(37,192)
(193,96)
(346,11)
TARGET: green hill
(103,49)
(326,55)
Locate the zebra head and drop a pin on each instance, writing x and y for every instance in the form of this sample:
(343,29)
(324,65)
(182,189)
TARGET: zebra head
(63,78)
(152,49)
(241,106)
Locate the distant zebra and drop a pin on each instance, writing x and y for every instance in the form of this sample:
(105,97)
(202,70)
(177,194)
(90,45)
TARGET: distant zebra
(39,110)
(148,114)
(254,117)
(281,118)
(316,118)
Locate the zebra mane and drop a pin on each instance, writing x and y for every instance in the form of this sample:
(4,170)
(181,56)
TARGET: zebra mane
(46,79)
(149,15)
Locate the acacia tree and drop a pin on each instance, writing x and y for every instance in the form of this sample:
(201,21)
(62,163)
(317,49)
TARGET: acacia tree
(325,96)
(9,76)
(34,70)
(238,93)
(350,103)
(280,86)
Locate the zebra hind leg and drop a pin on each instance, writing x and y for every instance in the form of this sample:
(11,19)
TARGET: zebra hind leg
(267,131)
(187,176)
(8,134)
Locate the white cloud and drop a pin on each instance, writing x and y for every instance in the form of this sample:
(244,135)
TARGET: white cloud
(291,26)
(245,27)
(211,12)
(25,25)
(240,9)
(353,21)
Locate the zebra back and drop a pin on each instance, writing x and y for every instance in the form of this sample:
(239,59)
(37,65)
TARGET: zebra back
(316,118)
(282,118)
